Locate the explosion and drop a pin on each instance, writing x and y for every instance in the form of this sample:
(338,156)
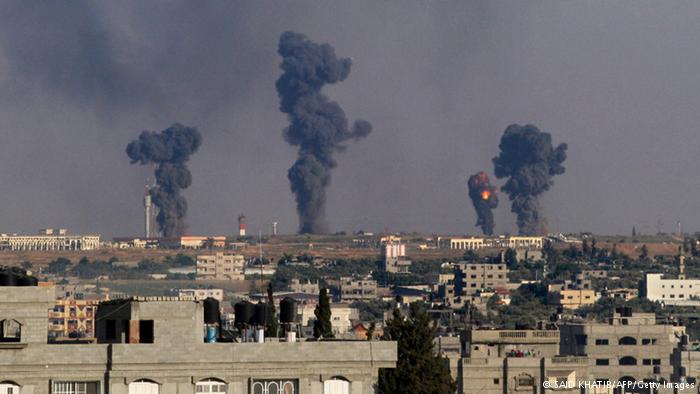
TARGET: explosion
(529,161)
(317,125)
(169,150)
(484,199)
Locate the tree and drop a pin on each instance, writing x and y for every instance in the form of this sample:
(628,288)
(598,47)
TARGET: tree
(322,325)
(511,258)
(58,266)
(272,329)
(371,329)
(644,253)
(27,265)
(419,370)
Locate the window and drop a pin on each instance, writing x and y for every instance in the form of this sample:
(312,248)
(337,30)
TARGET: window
(628,361)
(496,381)
(602,361)
(646,341)
(10,331)
(274,386)
(111,330)
(145,331)
(8,388)
(601,342)
(656,361)
(143,387)
(210,386)
(336,385)
(646,361)
(627,341)
(525,381)
(75,388)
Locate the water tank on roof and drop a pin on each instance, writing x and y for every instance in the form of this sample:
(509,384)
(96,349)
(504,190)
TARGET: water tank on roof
(211,311)
(244,313)
(262,314)
(288,310)
(7,279)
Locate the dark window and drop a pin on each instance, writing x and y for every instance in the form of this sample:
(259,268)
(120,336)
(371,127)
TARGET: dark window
(602,361)
(601,342)
(646,361)
(10,331)
(496,381)
(656,361)
(581,339)
(646,341)
(628,361)
(146,331)
(111,330)
(627,341)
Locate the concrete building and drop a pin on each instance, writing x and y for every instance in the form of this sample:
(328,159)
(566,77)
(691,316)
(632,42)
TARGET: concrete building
(629,347)
(470,279)
(574,298)
(220,266)
(157,347)
(670,291)
(355,289)
(394,255)
(514,361)
(512,242)
(202,294)
(306,287)
(342,317)
(49,240)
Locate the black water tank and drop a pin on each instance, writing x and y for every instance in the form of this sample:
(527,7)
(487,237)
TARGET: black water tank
(211,311)
(288,310)
(8,278)
(244,313)
(262,314)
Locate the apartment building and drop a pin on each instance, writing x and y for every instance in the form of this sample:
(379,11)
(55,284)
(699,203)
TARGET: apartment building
(221,266)
(355,289)
(148,346)
(202,294)
(472,278)
(628,347)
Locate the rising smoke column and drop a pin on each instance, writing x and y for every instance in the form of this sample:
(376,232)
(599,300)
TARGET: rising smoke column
(484,198)
(317,125)
(530,161)
(169,150)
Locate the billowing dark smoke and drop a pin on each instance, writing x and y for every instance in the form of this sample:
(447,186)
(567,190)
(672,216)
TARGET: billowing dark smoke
(484,198)
(169,150)
(530,161)
(317,125)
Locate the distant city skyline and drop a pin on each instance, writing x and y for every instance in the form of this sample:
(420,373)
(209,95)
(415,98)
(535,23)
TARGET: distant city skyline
(439,82)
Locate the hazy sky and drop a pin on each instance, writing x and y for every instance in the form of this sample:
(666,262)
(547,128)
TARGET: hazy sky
(619,81)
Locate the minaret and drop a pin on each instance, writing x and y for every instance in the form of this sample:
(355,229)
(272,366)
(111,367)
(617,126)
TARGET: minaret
(241,226)
(274,228)
(147,213)
(681,263)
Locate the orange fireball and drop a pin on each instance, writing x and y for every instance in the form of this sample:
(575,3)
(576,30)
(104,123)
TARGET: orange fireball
(485,195)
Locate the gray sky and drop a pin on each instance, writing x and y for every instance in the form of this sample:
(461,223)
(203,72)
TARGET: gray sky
(439,80)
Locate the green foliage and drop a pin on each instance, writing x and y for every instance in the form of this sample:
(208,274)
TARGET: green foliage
(27,265)
(511,258)
(322,325)
(419,370)
(58,266)
(180,260)
(372,309)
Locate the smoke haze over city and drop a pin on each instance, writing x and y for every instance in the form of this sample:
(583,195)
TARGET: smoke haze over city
(438,81)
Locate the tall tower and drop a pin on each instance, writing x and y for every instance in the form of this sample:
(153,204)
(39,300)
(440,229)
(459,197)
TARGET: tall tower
(147,214)
(241,226)
(274,228)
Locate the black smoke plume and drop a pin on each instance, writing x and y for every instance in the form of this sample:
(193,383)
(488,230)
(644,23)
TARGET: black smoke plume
(484,198)
(169,150)
(317,125)
(530,161)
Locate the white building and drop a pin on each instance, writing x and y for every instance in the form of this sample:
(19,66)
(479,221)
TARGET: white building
(670,291)
(220,266)
(202,294)
(467,243)
(49,239)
